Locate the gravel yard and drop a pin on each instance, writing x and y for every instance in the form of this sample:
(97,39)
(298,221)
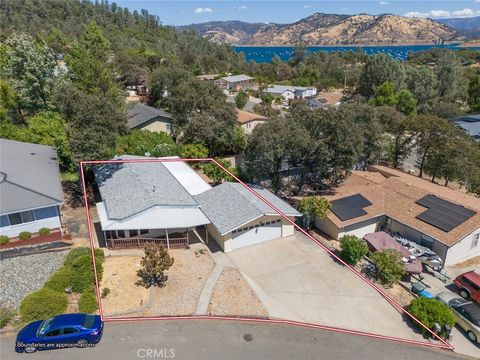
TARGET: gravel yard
(233,296)
(25,274)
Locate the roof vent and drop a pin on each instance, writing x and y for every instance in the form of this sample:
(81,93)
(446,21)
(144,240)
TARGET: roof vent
(32,153)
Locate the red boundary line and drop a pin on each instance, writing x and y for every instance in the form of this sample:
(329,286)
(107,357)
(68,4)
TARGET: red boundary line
(394,303)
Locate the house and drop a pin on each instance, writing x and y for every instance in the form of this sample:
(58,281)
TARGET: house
(235,82)
(169,204)
(207,77)
(239,218)
(145,117)
(291,92)
(470,124)
(446,221)
(247,120)
(30,188)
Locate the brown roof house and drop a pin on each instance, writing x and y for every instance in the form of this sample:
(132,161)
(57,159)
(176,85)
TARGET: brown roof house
(247,120)
(382,199)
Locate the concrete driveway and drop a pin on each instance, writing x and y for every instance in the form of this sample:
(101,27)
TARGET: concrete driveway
(297,280)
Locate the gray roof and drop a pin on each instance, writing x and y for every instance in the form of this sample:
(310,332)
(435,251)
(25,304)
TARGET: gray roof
(469,123)
(236,78)
(279,89)
(129,188)
(29,176)
(231,205)
(141,113)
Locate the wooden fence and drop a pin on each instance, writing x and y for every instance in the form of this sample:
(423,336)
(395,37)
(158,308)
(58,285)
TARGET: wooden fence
(133,243)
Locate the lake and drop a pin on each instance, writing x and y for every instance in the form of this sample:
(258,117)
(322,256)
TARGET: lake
(266,53)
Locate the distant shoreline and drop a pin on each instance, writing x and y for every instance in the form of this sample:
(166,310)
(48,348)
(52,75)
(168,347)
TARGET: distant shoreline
(459,44)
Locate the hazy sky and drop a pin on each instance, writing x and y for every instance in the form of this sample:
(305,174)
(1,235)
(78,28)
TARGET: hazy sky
(187,12)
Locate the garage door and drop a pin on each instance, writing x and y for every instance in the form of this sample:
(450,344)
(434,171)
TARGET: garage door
(256,235)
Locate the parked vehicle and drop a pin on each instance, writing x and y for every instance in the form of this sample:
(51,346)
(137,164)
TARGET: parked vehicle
(469,285)
(62,331)
(466,312)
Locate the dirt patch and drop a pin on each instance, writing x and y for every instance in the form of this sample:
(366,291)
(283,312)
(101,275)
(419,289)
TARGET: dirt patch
(400,294)
(119,275)
(467,263)
(72,307)
(233,296)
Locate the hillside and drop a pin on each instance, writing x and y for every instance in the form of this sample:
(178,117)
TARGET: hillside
(329,29)
(469,27)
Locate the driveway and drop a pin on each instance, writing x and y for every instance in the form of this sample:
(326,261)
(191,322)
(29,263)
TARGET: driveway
(297,280)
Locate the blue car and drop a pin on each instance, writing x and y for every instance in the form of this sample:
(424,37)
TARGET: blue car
(59,332)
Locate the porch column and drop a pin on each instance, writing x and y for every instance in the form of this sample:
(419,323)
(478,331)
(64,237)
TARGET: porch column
(206,234)
(168,241)
(188,238)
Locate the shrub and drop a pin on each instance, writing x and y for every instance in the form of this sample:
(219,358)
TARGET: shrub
(84,276)
(24,235)
(4,239)
(63,278)
(154,263)
(5,316)
(353,249)
(389,265)
(431,311)
(88,302)
(43,304)
(43,231)
(77,252)
(106,291)
(214,172)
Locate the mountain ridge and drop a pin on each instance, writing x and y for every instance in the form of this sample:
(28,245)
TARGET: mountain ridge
(330,29)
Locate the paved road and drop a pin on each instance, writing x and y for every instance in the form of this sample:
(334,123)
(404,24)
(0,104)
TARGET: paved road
(215,339)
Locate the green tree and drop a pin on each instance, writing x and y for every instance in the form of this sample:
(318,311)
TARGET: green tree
(142,142)
(8,102)
(154,264)
(406,103)
(385,95)
(163,81)
(241,99)
(193,151)
(389,266)
(430,312)
(353,249)
(29,67)
(379,69)
(216,173)
(316,206)
(449,77)
(474,93)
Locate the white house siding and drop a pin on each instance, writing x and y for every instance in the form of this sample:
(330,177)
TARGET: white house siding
(158,126)
(328,227)
(248,127)
(44,218)
(360,229)
(463,250)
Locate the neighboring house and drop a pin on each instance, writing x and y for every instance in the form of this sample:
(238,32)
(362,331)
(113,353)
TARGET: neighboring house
(235,82)
(291,92)
(470,124)
(145,117)
(30,188)
(168,203)
(207,77)
(239,218)
(247,120)
(442,219)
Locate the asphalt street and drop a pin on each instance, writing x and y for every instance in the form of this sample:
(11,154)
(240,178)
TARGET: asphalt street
(216,339)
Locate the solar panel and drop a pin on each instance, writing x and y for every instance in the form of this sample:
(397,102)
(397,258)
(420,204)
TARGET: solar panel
(350,207)
(443,214)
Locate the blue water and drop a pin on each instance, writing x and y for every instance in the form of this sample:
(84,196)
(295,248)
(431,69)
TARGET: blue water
(266,53)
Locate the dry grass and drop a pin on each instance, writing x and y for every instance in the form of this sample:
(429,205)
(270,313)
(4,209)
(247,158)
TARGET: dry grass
(400,294)
(467,263)
(233,296)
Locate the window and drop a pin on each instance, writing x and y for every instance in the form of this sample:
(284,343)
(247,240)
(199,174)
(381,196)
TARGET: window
(4,221)
(250,227)
(121,233)
(143,231)
(470,283)
(132,233)
(256,225)
(54,332)
(46,213)
(426,241)
(267,223)
(67,331)
(234,231)
(239,230)
(475,240)
(22,217)
(279,220)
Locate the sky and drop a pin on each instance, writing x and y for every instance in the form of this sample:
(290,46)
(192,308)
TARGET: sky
(182,12)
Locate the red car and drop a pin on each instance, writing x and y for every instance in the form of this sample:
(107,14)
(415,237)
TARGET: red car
(469,285)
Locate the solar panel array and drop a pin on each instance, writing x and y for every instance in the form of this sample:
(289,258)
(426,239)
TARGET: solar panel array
(443,214)
(350,207)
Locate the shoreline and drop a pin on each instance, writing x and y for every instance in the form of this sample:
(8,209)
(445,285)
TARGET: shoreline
(357,45)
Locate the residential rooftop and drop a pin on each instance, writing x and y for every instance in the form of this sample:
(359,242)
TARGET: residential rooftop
(140,114)
(395,194)
(470,124)
(244,117)
(237,78)
(29,176)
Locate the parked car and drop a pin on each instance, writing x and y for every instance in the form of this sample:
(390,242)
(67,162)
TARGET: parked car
(469,285)
(62,331)
(466,312)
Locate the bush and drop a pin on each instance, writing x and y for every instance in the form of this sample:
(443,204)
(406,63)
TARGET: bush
(5,316)
(88,302)
(105,292)
(4,239)
(77,252)
(43,304)
(43,231)
(24,235)
(84,276)
(389,265)
(353,249)
(63,278)
(154,263)
(431,311)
